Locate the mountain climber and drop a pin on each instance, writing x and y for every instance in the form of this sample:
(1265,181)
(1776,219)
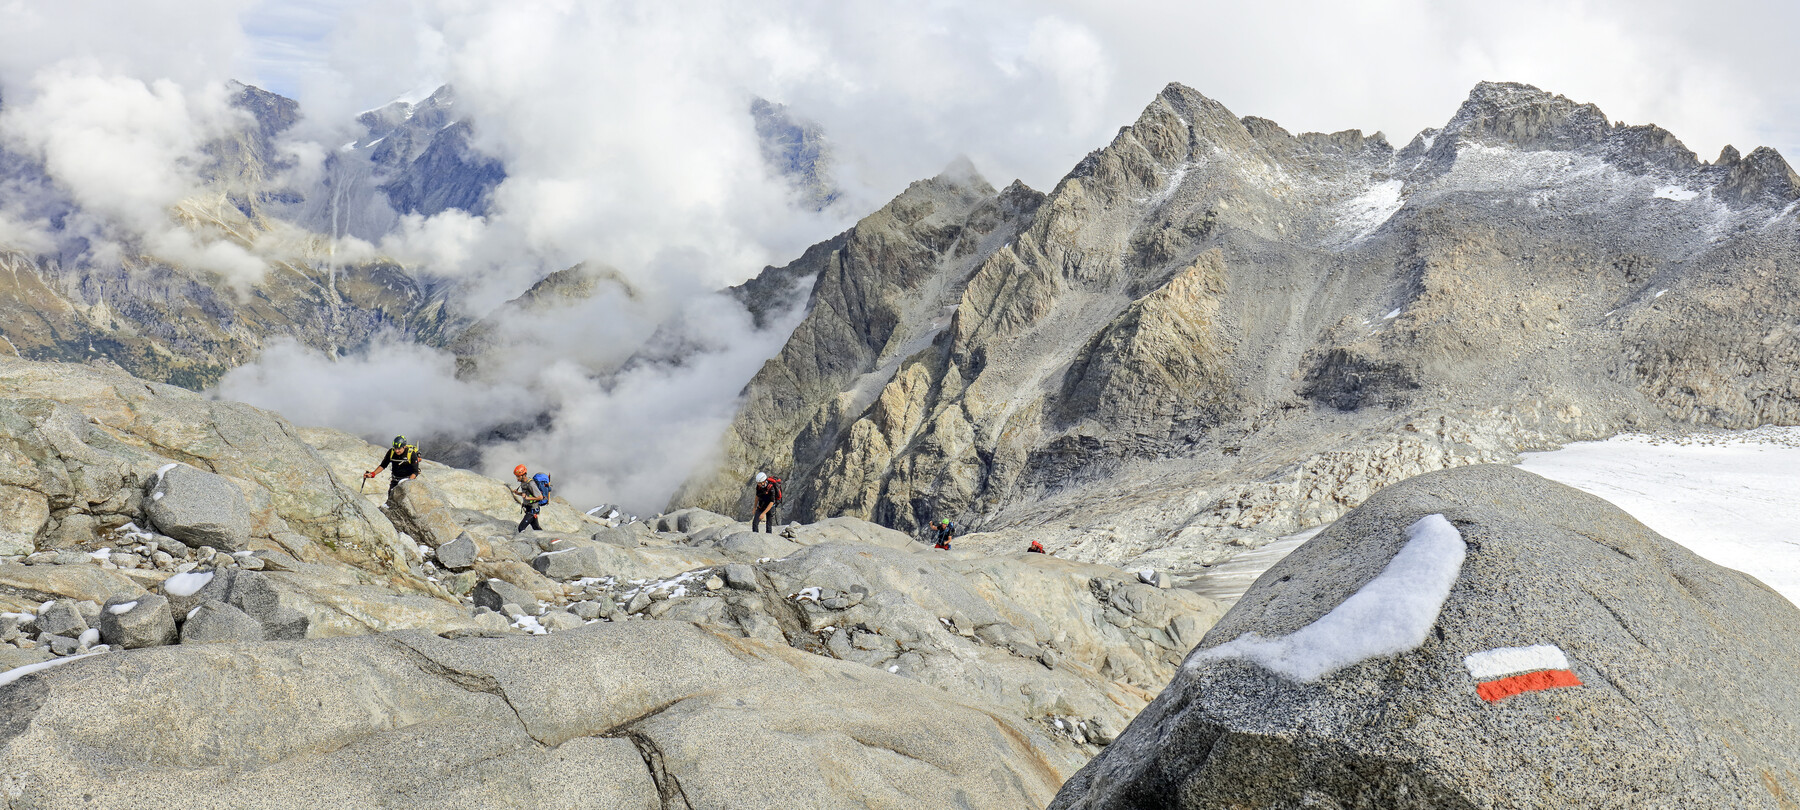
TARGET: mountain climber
(405,460)
(946,531)
(768,496)
(1036,548)
(530,495)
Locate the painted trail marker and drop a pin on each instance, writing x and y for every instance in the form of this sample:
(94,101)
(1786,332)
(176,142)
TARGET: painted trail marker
(1506,671)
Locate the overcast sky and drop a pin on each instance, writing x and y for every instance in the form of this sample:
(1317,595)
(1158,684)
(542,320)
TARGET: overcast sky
(1713,72)
(623,124)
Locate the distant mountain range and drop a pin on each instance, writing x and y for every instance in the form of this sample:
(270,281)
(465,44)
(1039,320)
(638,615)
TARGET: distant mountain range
(1213,331)
(164,320)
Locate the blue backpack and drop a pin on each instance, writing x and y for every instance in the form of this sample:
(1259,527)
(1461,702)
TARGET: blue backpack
(543,485)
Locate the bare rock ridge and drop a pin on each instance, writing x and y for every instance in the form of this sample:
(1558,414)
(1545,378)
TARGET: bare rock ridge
(1213,332)
(1577,660)
(178,555)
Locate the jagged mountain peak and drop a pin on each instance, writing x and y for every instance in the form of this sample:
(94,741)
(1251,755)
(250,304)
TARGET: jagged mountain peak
(1761,176)
(1524,116)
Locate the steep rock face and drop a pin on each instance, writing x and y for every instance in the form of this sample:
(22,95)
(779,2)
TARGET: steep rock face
(1576,659)
(865,291)
(1213,331)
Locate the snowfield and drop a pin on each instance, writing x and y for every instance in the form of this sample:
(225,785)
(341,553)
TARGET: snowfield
(1732,498)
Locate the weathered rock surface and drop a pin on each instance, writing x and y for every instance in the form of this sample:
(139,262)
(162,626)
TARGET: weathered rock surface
(256,595)
(460,553)
(214,622)
(90,439)
(1686,674)
(142,621)
(494,593)
(198,508)
(416,509)
(624,715)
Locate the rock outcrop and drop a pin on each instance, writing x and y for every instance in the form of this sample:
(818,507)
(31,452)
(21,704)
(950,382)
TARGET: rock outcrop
(1570,658)
(627,715)
(1213,332)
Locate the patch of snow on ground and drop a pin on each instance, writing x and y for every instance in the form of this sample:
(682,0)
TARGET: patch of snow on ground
(1365,213)
(19,672)
(122,608)
(1676,193)
(1731,498)
(1227,581)
(1391,315)
(186,584)
(1391,614)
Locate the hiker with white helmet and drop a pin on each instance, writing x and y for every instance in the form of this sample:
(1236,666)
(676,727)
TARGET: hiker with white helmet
(768,494)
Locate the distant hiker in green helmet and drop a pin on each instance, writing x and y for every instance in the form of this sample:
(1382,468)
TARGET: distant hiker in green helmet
(944,531)
(403,457)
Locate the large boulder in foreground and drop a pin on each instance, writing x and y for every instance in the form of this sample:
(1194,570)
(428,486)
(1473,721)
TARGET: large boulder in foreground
(198,508)
(1578,660)
(613,715)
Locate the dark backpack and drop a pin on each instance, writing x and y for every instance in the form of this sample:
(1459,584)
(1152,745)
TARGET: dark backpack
(543,485)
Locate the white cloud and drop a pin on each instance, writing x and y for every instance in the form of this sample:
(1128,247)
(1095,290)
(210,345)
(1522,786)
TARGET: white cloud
(392,386)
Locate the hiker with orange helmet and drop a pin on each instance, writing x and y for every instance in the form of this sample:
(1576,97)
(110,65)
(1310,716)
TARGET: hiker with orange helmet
(530,496)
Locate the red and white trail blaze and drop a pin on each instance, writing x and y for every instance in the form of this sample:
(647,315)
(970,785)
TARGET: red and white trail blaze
(1506,671)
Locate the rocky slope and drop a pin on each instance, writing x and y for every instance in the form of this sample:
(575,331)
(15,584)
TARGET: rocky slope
(155,540)
(1547,650)
(1213,331)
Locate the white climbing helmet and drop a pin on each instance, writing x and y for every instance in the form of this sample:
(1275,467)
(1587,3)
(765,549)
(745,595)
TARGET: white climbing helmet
(761,477)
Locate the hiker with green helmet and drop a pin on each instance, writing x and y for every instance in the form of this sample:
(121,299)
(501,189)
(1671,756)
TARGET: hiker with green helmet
(945,532)
(403,457)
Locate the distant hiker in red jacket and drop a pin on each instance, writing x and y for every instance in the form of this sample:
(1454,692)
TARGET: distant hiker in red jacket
(1036,548)
(768,495)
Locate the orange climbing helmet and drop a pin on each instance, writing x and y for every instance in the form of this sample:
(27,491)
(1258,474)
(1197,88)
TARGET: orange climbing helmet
(520,470)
